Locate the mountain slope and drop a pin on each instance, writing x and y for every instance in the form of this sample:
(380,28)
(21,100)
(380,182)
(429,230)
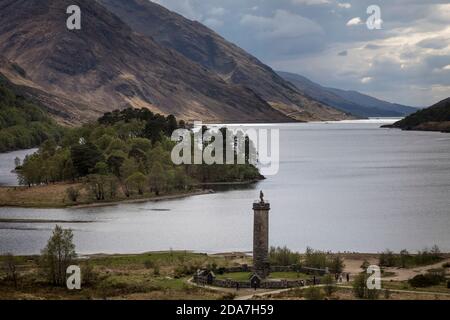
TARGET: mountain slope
(106,66)
(206,48)
(371,102)
(349,101)
(434,118)
(23,122)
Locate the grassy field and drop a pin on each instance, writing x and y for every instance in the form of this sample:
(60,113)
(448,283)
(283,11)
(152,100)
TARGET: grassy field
(55,196)
(165,275)
(157,275)
(347,294)
(245,276)
(289,275)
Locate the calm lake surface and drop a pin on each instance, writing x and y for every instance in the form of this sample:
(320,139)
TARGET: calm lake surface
(347,186)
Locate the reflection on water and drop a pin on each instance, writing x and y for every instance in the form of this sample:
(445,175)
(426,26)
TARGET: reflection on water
(341,186)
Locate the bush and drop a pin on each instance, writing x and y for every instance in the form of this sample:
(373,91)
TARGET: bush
(73,194)
(426,280)
(88,275)
(387,259)
(10,268)
(360,289)
(329,285)
(313,293)
(149,264)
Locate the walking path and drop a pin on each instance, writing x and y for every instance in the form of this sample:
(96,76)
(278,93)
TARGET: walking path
(245,294)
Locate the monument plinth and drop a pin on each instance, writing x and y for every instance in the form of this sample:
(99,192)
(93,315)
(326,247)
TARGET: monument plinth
(261,237)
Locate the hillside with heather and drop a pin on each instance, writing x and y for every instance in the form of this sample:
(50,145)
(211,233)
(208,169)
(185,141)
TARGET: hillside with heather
(434,118)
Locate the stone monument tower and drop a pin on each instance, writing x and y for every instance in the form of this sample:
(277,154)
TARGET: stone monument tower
(261,237)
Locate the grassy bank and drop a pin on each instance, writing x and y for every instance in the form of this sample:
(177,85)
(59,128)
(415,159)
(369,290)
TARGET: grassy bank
(55,196)
(165,275)
(156,275)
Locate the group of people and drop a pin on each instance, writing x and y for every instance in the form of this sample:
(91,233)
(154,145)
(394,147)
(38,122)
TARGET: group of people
(339,277)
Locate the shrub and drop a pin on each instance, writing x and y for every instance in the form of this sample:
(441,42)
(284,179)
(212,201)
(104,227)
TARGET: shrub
(426,280)
(88,275)
(360,289)
(73,194)
(329,285)
(313,293)
(387,259)
(10,268)
(149,264)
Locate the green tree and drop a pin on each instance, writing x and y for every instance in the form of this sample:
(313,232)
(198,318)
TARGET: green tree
(387,259)
(157,178)
(58,255)
(315,259)
(283,256)
(337,264)
(84,157)
(404,257)
(329,285)
(137,181)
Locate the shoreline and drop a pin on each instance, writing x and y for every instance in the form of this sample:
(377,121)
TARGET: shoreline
(140,200)
(53,196)
(231,254)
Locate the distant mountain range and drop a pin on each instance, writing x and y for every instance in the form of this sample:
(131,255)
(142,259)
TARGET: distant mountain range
(434,118)
(352,102)
(137,53)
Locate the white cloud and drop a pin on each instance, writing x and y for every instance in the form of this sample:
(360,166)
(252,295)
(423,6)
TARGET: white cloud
(283,24)
(217,11)
(344,5)
(183,7)
(366,80)
(408,60)
(213,23)
(354,22)
(310,2)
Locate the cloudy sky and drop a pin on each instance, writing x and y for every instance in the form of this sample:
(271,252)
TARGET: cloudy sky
(406,61)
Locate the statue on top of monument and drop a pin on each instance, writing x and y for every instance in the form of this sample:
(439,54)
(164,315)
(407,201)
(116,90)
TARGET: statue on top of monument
(261,196)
